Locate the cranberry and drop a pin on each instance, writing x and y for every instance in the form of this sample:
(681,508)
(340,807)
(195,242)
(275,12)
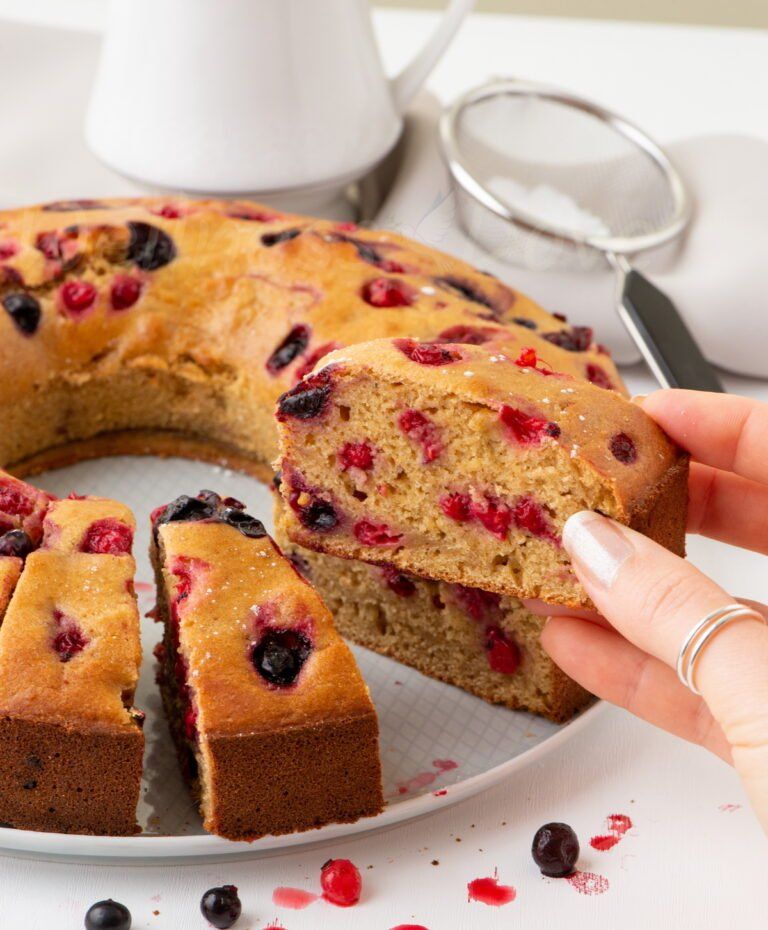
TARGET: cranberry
(168,211)
(529,359)
(427,353)
(78,296)
(16,543)
(527,429)
(575,339)
(314,357)
(293,344)
(253,216)
(125,291)
(24,310)
(468,335)
(279,656)
(108,915)
(14,500)
(457,506)
(397,582)
(190,723)
(70,640)
(524,322)
(108,537)
(531,517)
(356,455)
(596,375)
(149,247)
(388,292)
(555,849)
(221,907)
(308,399)
(503,654)
(7,250)
(50,244)
(285,235)
(464,289)
(478,604)
(375,534)
(495,516)
(623,448)
(422,430)
(341,882)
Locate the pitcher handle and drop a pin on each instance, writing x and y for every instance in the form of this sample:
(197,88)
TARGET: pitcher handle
(406,84)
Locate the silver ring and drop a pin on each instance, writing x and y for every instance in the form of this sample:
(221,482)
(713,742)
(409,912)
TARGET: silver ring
(701,634)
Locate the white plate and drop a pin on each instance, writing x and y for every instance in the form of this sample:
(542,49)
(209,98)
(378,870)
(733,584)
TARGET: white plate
(423,722)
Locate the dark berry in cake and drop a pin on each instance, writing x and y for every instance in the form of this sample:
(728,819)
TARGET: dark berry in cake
(524,321)
(149,247)
(108,915)
(397,582)
(388,292)
(316,514)
(308,399)
(341,882)
(185,509)
(279,656)
(16,543)
(244,522)
(70,640)
(623,448)
(24,310)
(530,516)
(77,297)
(8,250)
(125,291)
(469,335)
(285,235)
(555,849)
(108,537)
(50,244)
(480,605)
(294,343)
(464,289)
(221,906)
(427,353)
(503,654)
(313,358)
(597,376)
(575,339)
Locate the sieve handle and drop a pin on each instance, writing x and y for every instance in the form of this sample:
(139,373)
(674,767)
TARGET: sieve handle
(661,335)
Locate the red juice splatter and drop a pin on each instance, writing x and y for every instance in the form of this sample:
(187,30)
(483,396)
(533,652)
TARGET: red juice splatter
(424,779)
(409,927)
(445,765)
(617,825)
(489,891)
(294,898)
(274,926)
(604,843)
(588,883)
(441,793)
(729,808)
(143,586)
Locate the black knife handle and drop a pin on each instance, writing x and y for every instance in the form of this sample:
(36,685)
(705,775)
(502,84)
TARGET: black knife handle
(663,338)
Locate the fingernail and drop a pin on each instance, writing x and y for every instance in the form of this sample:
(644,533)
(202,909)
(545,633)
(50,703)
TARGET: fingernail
(597,546)
(638,399)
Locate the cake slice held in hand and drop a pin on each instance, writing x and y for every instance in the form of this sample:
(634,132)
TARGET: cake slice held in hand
(460,463)
(273,724)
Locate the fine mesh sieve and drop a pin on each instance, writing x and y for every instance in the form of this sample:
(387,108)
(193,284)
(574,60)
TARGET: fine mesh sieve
(550,181)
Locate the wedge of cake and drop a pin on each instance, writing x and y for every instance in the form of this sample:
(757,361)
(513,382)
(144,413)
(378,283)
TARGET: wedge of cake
(462,464)
(274,726)
(71,742)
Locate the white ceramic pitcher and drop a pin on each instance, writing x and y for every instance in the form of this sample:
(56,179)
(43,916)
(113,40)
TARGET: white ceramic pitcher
(257,96)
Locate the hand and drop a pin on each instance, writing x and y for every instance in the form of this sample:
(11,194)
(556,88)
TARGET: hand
(649,599)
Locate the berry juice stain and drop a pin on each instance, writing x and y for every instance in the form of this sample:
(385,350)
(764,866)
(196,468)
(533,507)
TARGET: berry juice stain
(617,825)
(589,883)
(489,891)
(295,899)
(424,779)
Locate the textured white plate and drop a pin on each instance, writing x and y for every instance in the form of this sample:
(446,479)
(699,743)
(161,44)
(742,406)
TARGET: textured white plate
(439,744)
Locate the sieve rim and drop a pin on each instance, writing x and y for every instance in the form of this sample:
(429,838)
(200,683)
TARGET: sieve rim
(610,245)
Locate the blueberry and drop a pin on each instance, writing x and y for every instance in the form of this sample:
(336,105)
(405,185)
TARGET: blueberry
(555,849)
(308,399)
(575,339)
(24,310)
(149,247)
(524,321)
(318,515)
(248,525)
(463,289)
(221,907)
(290,348)
(185,509)
(285,235)
(16,543)
(108,915)
(279,656)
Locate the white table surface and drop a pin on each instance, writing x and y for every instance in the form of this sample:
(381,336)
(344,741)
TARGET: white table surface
(696,857)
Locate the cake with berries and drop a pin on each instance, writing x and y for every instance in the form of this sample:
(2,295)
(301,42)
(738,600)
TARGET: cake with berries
(172,327)
(461,464)
(273,724)
(482,642)
(71,742)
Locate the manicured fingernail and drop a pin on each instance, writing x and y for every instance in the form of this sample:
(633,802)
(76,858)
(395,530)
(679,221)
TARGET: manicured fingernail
(597,546)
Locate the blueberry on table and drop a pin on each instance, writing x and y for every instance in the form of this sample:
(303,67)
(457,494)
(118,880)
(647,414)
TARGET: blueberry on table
(555,849)
(108,915)
(221,907)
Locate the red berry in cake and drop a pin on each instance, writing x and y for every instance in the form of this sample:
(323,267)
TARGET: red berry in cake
(527,429)
(530,516)
(77,297)
(8,250)
(221,906)
(356,455)
(341,882)
(285,235)
(149,246)
(388,292)
(70,639)
(457,506)
(50,244)
(468,335)
(314,357)
(495,516)
(108,915)
(555,849)
(14,501)
(279,656)
(168,211)
(575,339)
(422,430)
(503,655)
(293,345)
(108,537)
(480,605)
(16,543)
(465,289)
(375,534)
(623,448)
(427,353)
(125,291)
(597,376)
(397,582)
(308,399)
(24,310)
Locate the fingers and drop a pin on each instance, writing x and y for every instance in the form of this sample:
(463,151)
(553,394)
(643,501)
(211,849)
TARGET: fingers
(542,609)
(721,430)
(603,662)
(728,507)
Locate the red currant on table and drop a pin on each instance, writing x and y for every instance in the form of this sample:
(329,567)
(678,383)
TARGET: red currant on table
(341,882)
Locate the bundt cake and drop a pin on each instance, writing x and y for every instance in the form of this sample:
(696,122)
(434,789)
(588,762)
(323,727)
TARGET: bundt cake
(71,743)
(462,463)
(273,724)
